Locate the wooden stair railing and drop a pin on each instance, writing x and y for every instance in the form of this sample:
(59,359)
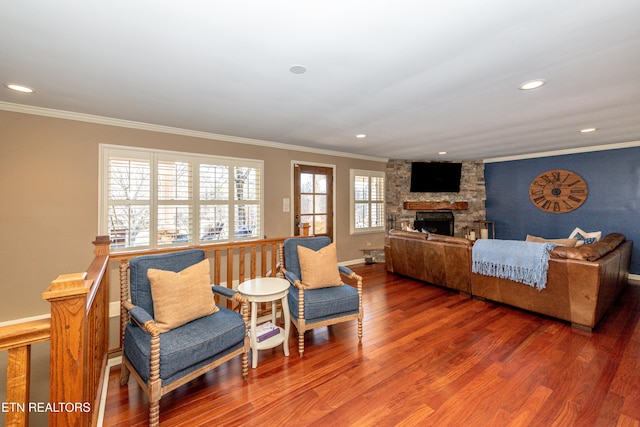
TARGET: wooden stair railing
(79,341)
(17,340)
(79,331)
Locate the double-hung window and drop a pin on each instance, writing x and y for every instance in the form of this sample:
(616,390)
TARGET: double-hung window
(367,201)
(154,198)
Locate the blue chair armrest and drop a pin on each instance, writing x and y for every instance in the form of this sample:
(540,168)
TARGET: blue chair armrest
(140,315)
(291,277)
(224,291)
(345,270)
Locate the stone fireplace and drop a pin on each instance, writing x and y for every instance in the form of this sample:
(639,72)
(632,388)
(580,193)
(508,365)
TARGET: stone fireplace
(466,206)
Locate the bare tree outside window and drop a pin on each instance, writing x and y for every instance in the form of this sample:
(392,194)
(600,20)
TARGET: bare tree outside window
(214,202)
(129,197)
(247,188)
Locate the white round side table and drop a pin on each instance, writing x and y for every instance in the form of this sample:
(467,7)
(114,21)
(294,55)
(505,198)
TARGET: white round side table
(267,289)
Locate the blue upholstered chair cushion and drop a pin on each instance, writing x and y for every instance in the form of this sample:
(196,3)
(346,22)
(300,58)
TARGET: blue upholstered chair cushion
(140,288)
(187,348)
(324,303)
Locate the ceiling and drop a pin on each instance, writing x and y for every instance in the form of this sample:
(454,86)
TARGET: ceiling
(417,77)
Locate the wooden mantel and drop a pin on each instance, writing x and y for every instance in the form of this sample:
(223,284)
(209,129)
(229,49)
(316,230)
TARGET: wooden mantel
(435,206)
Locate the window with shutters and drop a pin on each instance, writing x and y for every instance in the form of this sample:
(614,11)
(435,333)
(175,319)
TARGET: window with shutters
(153,198)
(367,201)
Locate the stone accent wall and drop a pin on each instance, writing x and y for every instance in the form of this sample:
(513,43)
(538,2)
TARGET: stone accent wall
(472,191)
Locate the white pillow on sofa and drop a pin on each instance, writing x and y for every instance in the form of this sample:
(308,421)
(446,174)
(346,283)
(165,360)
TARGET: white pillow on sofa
(585,238)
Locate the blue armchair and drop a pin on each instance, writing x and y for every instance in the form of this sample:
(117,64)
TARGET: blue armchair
(314,308)
(162,362)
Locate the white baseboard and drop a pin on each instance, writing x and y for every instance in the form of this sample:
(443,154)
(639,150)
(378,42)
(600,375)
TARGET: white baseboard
(351,262)
(114,309)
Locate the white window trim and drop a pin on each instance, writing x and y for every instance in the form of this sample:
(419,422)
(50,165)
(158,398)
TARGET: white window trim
(153,155)
(352,200)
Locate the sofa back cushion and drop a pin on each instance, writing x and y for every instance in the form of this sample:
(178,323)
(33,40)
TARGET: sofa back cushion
(417,235)
(592,251)
(450,239)
(561,242)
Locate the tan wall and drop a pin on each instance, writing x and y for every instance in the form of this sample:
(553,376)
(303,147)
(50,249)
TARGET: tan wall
(49,197)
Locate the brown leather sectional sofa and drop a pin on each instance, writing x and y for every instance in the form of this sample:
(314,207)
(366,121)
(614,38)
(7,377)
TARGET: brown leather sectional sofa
(433,258)
(582,282)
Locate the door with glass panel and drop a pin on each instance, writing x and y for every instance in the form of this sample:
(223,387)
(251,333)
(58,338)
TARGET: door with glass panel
(313,200)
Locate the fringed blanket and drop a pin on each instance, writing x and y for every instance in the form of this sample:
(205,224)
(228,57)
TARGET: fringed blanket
(524,262)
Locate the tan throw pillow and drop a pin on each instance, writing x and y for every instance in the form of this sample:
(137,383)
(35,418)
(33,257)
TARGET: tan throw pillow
(570,243)
(319,269)
(179,298)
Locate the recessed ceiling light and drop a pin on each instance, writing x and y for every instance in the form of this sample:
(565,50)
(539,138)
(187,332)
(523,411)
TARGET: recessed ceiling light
(19,88)
(532,84)
(442,153)
(298,69)
(587,130)
(361,135)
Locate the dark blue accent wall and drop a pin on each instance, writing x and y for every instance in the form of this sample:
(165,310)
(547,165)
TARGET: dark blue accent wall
(613,204)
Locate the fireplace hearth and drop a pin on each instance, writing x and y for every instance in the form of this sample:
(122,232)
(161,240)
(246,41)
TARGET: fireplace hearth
(438,222)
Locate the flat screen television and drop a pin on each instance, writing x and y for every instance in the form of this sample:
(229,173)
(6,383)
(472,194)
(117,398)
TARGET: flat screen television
(435,177)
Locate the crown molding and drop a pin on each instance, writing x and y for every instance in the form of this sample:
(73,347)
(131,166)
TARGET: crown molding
(603,147)
(89,118)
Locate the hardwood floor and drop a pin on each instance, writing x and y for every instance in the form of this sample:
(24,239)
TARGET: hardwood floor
(428,357)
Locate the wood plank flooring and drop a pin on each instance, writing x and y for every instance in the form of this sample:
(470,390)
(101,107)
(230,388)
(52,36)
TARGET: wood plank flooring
(429,357)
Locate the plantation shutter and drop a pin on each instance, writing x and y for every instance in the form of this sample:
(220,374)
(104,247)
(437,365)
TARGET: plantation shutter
(367,201)
(175,202)
(129,201)
(247,193)
(154,198)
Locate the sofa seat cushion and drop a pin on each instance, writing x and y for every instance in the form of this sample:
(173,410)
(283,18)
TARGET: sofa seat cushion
(324,303)
(186,348)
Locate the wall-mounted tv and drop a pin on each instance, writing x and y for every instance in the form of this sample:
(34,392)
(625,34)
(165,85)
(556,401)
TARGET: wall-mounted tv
(435,177)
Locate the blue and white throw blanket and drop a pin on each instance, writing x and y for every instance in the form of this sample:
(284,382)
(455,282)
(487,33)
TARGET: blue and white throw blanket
(524,262)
